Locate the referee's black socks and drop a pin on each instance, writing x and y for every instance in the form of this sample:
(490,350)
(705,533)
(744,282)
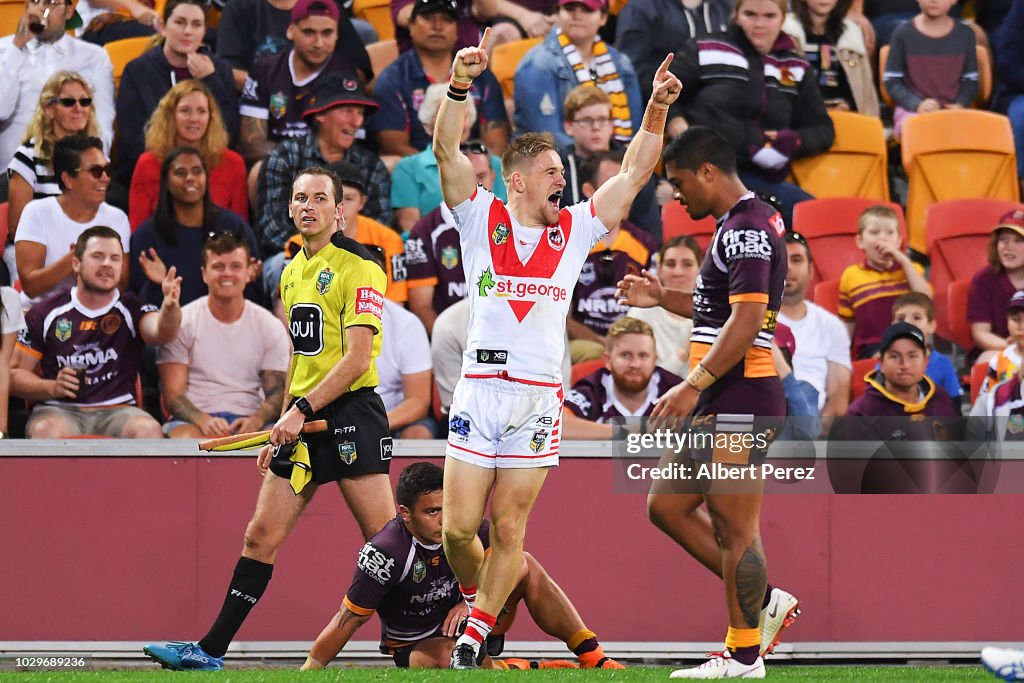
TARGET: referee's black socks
(247,585)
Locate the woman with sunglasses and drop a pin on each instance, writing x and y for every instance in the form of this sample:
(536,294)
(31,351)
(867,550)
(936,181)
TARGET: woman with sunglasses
(180,56)
(185,218)
(188,116)
(65,108)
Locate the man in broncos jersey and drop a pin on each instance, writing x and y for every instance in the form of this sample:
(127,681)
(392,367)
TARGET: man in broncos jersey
(732,387)
(521,262)
(402,575)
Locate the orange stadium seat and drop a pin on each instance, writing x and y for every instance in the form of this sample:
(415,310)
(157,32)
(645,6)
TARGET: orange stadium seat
(382,53)
(675,222)
(984,76)
(958,328)
(587,367)
(861,368)
(855,166)
(378,13)
(123,51)
(826,295)
(956,155)
(505,59)
(10,15)
(956,235)
(830,227)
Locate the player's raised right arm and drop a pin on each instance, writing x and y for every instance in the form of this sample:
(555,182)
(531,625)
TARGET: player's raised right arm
(457,178)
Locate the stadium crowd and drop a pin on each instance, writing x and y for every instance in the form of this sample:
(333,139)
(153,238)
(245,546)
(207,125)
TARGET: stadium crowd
(180,127)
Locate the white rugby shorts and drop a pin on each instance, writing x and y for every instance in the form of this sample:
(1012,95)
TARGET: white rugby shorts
(502,423)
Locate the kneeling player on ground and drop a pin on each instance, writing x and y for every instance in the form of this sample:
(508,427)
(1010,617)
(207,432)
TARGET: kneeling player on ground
(403,575)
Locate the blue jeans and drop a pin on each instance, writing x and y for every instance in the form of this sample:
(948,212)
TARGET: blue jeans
(788,194)
(1016,113)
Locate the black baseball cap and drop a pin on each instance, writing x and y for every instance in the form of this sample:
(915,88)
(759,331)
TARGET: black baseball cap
(349,174)
(450,7)
(335,90)
(902,330)
(1016,301)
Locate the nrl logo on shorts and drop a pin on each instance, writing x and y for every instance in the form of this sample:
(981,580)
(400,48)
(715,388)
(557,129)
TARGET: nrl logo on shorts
(323,280)
(63,329)
(347,452)
(539,440)
(419,571)
(500,234)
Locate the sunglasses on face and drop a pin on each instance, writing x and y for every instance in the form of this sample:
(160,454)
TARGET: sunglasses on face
(71,101)
(473,148)
(97,172)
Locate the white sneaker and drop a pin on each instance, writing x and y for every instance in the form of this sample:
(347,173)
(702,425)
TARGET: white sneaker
(721,665)
(782,610)
(1005,663)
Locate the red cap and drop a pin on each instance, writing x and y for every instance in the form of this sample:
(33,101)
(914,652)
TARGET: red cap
(784,339)
(1012,220)
(596,5)
(304,9)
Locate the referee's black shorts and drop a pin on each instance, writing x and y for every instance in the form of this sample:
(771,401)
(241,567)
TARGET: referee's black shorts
(357,440)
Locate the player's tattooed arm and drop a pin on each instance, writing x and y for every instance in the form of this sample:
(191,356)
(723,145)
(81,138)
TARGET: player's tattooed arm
(253,142)
(272,382)
(751,578)
(181,408)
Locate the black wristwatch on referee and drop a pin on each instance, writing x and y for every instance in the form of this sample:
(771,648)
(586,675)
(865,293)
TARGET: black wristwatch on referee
(303,405)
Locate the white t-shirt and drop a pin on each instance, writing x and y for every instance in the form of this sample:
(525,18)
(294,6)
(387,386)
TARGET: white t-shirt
(820,338)
(43,221)
(13,318)
(225,359)
(520,293)
(404,350)
(671,332)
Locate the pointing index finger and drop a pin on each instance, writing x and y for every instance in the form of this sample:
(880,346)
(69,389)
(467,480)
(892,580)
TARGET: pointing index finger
(665,64)
(484,38)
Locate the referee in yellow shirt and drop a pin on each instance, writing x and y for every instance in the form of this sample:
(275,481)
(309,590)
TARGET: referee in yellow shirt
(333,293)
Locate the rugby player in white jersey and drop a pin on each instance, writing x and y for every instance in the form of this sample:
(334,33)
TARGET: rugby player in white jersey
(521,261)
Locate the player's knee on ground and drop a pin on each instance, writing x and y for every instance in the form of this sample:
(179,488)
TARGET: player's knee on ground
(50,427)
(142,427)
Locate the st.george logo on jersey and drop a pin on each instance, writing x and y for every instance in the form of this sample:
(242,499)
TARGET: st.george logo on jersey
(323,280)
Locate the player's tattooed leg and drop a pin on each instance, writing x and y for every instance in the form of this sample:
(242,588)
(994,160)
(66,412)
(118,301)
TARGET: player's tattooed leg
(751,576)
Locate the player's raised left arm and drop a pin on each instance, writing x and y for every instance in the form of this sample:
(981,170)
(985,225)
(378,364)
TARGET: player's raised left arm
(458,182)
(612,198)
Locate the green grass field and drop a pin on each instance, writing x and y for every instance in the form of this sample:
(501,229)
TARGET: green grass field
(778,672)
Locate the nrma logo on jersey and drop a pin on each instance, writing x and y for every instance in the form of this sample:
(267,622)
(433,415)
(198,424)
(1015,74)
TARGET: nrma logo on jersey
(488,283)
(375,564)
(746,244)
(87,359)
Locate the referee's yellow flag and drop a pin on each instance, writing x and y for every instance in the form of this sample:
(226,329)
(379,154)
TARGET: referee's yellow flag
(245,445)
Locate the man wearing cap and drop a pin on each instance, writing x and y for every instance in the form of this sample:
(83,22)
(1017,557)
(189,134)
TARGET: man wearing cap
(274,94)
(900,405)
(471,16)
(335,112)
(28,59)
(822,357)
(572,55)
(252,29)
(992,286)
(401,86)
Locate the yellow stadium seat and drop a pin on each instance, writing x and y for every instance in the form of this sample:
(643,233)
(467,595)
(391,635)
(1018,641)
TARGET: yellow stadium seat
(855,166)
(984,76)
(505,60)
(956,154)
(378,13)
(123,51)
(382,53)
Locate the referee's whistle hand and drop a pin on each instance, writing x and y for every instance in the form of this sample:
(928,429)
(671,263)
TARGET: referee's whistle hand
(287,429)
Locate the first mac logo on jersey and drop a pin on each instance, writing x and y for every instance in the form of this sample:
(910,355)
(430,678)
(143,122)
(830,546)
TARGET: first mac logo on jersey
(307,329)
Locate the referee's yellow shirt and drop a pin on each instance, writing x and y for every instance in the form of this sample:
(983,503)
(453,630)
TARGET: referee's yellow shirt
(340,286)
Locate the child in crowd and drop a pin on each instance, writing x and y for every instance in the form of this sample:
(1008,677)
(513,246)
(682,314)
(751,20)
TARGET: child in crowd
(1007,362)
(868,290)
(932,64)
(918,310)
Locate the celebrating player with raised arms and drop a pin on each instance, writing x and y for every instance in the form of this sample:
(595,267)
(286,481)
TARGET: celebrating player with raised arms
(521,262)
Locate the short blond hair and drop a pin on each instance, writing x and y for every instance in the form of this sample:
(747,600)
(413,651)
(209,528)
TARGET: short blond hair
(876,211)
(583,96)
(626,325)
(525,148)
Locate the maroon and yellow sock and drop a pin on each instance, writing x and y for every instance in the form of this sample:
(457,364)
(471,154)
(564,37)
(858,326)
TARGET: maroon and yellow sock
(744,644)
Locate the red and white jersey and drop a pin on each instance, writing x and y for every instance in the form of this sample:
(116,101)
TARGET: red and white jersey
(520,283)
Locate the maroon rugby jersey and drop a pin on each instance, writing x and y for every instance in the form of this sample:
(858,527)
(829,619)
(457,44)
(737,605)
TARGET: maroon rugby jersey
(433,258)
(746,261)
(593,397)
(410,585)
(106,343)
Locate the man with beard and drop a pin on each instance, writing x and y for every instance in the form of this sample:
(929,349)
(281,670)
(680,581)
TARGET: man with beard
(88,341)
(628,385)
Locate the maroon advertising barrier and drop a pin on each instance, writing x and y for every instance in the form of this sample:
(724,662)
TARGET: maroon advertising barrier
(142,548)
